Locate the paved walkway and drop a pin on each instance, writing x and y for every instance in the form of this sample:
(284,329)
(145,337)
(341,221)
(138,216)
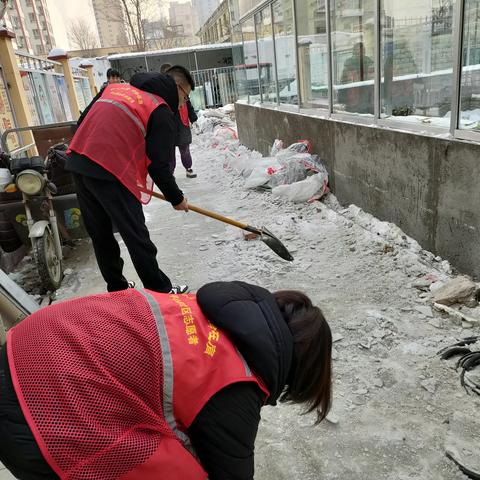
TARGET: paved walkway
(5,474)
(388,425)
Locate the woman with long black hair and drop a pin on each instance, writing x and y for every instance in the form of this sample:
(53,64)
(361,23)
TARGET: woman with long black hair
(144,385)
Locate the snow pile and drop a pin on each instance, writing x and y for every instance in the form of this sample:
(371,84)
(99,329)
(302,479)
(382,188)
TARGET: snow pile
(470,119)
(302,191)
(386,230)
(295,175)
(292,173)
(209,120)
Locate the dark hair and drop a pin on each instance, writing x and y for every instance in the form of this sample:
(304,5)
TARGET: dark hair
(164,67)
(181,75)
(113,72)
(310,379)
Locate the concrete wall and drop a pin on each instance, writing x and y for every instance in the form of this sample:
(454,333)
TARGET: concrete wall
(429,187)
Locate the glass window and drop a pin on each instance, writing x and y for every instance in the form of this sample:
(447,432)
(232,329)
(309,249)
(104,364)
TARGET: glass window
(239,63)
(263,21)
(353,45)
(250,56)
(244,6)
(312,52)
(470,97)
(285,50)
(416,60)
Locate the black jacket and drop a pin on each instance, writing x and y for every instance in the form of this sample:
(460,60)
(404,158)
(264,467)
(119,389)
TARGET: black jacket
(159,141)
(223,433)
(184,133)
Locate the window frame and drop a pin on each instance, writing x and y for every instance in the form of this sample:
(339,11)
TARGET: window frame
(452,132)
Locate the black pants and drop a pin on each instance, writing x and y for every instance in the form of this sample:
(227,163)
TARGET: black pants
(107,203)
(19,451)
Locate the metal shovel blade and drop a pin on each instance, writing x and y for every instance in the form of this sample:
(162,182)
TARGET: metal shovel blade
(267,237)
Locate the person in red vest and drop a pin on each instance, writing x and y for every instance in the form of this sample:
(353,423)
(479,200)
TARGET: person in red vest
(183,138)
(141,385)
(185,117)
(124,145)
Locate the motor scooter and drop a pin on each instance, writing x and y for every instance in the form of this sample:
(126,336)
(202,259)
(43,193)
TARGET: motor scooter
(31,178)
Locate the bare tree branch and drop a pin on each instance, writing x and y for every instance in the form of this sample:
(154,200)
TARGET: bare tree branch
(136,17)
(133,14)
(82,36)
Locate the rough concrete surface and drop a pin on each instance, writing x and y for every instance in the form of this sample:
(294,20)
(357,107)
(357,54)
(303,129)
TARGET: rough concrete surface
(426,184)
(393,396)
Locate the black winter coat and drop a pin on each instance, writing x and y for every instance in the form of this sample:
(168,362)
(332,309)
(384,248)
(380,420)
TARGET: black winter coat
(184,134)
(223,433)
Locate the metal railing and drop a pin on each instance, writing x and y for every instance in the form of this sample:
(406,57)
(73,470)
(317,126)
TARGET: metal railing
(214,87)
(26,61)
(79,72)
(46,90)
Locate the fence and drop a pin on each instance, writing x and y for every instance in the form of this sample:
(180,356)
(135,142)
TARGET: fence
(82,87)
(214,87)
(46,89)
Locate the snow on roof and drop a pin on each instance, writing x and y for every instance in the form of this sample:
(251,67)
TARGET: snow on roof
(194,48)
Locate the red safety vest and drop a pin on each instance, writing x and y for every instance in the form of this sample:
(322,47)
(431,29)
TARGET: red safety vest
(184,115)
(109,384)
(113,135)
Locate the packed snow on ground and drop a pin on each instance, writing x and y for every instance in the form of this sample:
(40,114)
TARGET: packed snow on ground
(393,396)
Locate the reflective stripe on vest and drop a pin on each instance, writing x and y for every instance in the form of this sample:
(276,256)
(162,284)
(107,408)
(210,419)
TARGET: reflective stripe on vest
(95,414)
(127,111)
(191,347)
(155,100)
(124,154)
(167,370)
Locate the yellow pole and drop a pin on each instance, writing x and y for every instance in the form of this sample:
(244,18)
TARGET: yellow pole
(91,79)
(61,56)
(14,82)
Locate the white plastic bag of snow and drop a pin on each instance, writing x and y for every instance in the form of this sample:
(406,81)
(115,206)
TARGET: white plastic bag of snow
(235,161)
(242,160)
(228,109)
(304,190)
(276,147)
(209,120)
(262,172)
(294,168)
(225,133)
(205,125)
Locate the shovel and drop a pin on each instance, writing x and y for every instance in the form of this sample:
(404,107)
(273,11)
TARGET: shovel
(265,235)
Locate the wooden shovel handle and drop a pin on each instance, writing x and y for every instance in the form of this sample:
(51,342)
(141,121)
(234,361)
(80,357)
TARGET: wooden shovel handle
(214,215)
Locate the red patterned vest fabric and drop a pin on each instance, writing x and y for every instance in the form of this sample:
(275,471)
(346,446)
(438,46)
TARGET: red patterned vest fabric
(113,135)
(109,384)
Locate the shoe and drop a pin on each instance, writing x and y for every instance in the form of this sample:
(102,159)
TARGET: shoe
(176,289)
(131,284)
(190,174)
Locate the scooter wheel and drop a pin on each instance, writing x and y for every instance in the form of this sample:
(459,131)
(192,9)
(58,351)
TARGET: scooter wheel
(49,266)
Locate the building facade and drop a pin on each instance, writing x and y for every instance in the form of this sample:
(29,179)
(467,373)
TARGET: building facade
(110,21)
(181,18)
(389,93)
(203,9)
(217,28)
(30,21)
